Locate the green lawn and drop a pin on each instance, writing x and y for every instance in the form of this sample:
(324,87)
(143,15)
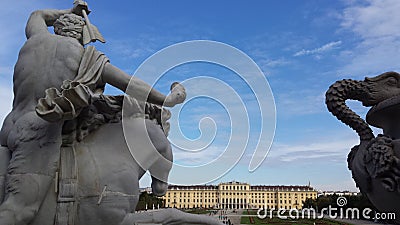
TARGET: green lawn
(275,220)
(198,211)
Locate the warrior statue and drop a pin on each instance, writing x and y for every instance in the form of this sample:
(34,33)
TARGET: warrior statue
(53,150)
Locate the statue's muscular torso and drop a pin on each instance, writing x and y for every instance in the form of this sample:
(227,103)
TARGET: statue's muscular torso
(45,61)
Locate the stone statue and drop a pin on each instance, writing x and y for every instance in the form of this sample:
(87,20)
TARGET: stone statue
(375,162)
(63,156)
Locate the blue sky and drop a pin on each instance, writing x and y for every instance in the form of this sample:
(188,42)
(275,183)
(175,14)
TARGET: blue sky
(301,46)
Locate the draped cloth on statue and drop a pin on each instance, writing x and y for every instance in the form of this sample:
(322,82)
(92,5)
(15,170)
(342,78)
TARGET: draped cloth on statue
(83,98)
(75,95)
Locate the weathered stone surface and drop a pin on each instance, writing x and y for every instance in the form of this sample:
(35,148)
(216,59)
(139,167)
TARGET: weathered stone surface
(63,155)
(375,162)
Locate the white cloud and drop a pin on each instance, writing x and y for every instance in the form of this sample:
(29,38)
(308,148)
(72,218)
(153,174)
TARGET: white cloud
(270,66)
(374,20)
(198,158)
(343,185)
(334,150)
(322,49)
(289,103)
(376,24)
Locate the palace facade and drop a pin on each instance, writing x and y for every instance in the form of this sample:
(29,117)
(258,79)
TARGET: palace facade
(236,195)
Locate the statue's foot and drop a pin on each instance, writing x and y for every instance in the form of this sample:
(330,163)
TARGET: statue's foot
(159,187)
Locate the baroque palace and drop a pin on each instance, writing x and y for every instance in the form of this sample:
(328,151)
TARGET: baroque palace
(236,195)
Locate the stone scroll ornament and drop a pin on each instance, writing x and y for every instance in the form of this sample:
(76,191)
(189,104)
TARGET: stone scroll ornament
(375,162)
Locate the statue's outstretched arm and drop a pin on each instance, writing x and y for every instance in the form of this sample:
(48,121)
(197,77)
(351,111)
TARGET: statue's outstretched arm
(41,19)
(140,89)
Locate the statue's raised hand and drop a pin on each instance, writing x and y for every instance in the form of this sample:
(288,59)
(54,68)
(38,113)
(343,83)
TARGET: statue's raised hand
(177,95)
(79,6)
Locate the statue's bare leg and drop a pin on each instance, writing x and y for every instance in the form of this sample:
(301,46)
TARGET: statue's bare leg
(168,216)
(35,146)
(5,156)
(160,169)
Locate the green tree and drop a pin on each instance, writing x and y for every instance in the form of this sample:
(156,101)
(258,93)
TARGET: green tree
(324,202)
(149,200)
(355,201)
(309,203)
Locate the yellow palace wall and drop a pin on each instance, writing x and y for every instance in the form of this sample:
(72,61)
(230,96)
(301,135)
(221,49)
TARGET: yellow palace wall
(236,195)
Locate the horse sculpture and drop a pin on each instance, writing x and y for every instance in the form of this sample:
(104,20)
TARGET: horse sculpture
(375,162)
(100,184)
(64,159)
